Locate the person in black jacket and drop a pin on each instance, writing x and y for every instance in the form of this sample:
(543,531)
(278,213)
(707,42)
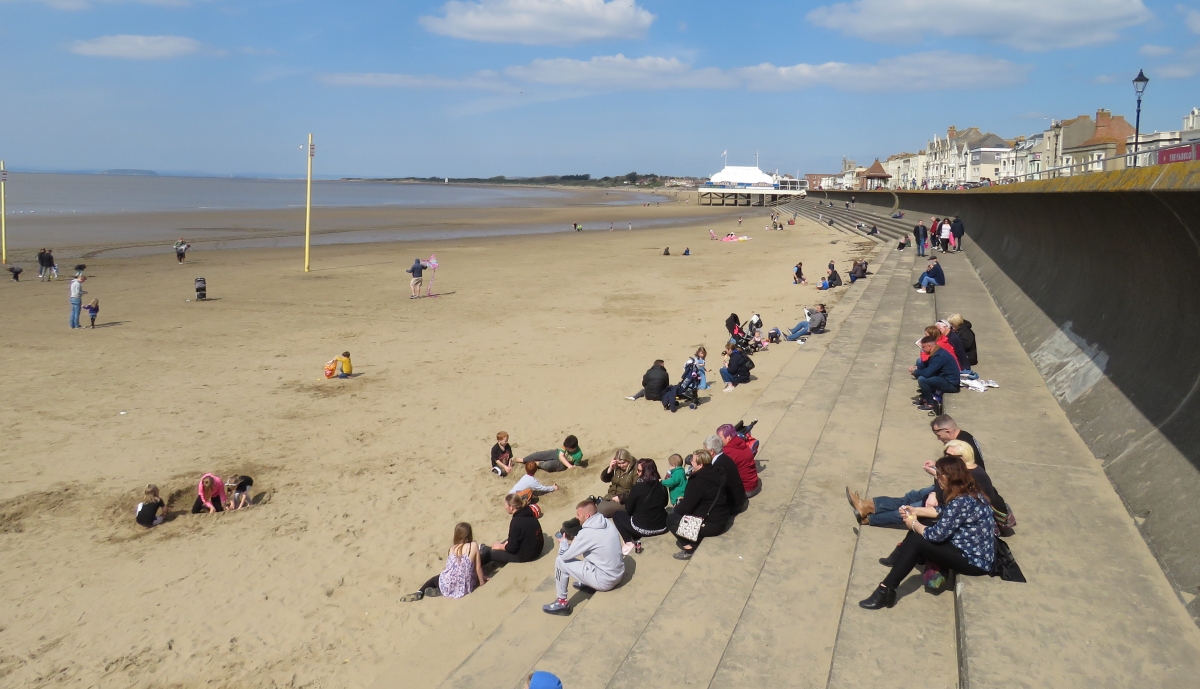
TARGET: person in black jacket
(735,490)
(920,233)
(967,336)
(959,231)
(705,498)
(525,539)
(737,371)
(835,280)
(645,512)
(654,382)
(956,343)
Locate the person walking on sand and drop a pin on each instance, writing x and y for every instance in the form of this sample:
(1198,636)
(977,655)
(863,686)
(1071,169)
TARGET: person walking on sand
(739,221)
(181,248)
(415,284)
(77,293)
(631,227)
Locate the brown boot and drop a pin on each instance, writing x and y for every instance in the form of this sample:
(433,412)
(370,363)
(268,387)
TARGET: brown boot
(862,507)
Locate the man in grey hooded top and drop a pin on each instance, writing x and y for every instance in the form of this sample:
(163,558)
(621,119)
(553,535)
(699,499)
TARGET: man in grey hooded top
(602,565)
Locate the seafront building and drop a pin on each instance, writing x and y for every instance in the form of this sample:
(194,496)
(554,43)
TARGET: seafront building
(968,157)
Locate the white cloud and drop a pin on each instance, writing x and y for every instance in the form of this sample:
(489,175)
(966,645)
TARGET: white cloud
(540,22)
(1192,20)
(1103,79)
(483,81)
(1155,50)
(72,5)
(935,71)
(137,47)
(1024,24)
(1187,66)
(602,74)
(617,72)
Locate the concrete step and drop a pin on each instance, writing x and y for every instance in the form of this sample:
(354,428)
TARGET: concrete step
(595,640)
(849,228)
(1098,610)
(702,611)
(803,583)
(917,638)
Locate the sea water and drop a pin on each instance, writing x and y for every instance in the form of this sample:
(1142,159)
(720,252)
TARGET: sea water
(53,194)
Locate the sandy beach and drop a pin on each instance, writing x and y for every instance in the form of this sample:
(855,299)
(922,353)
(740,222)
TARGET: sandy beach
(358,483)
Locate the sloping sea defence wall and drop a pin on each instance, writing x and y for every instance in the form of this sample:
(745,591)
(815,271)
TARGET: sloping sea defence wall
(1099,277)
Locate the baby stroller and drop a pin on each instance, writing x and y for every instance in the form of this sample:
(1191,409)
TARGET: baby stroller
(687,390)
(748,340)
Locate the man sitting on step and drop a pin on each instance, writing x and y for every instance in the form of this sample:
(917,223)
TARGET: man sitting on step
(933,276)
(602,565)
(885,511)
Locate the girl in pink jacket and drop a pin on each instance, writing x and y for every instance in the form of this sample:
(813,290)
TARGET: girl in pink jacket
(211,490)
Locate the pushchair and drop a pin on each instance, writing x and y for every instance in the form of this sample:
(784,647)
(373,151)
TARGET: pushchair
(687,390)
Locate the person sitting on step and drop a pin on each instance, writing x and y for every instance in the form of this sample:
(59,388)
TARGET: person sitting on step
(938,374)
(962,538)
(602,565)
(620,475)
(462,574)
(735,447)
(525,540)
(933,275)
(966,335)
(704,498)
(645,512)
(735,490)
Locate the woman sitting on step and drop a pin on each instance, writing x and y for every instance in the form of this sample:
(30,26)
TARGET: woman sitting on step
(963,537)
(463,571)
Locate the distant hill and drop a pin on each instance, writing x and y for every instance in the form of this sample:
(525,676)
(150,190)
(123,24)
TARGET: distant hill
(131,173)
(633,178)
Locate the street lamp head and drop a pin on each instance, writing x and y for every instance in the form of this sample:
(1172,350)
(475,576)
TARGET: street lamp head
(1139,83)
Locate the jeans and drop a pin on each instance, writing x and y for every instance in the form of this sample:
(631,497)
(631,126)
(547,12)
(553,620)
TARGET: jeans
(945,555)
(921,247)
(797,332)
(887,510)
(76,305)
(929,385)
(927,280)
(726,376)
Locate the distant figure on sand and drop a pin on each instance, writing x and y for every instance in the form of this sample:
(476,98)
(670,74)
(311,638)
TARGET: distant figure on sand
(77,293)
(181,248)
(502,455)
(238,490)
(16,272)
(414,285)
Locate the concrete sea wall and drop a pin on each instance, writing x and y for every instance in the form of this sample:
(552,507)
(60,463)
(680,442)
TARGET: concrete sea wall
(1099,277)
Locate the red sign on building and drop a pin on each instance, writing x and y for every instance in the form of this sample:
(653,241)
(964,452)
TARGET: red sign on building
(1177,154)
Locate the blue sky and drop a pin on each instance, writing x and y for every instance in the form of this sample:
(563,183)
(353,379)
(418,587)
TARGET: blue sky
(529,87)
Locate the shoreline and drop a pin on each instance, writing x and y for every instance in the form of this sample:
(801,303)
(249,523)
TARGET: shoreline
(70,235)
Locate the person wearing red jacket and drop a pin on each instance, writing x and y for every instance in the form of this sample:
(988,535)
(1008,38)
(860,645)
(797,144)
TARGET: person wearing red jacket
(737,450)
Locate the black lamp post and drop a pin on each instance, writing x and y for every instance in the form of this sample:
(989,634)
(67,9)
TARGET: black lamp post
(1139,85)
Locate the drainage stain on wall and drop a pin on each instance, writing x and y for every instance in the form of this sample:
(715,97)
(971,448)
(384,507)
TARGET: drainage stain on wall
(1069,364)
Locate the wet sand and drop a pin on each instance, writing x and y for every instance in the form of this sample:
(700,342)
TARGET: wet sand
(359,482)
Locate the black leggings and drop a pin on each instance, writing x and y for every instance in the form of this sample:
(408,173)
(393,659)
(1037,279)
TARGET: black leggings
(624,524)
(709,529)
(487,555)
(198,506)
(915,547)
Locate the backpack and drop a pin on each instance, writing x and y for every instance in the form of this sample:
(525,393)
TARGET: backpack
(669,400)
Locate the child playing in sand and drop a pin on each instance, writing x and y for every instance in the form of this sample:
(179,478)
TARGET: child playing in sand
(529,483)
(149,509)
(344,367)
(676,479)
(93,309)
(238,489)
(502,456)
(210,493)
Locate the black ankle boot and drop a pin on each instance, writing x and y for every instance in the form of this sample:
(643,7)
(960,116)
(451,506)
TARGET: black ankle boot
(883,597)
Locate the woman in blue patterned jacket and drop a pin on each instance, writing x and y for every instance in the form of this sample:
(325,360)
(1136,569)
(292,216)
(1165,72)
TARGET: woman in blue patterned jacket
(963,538)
